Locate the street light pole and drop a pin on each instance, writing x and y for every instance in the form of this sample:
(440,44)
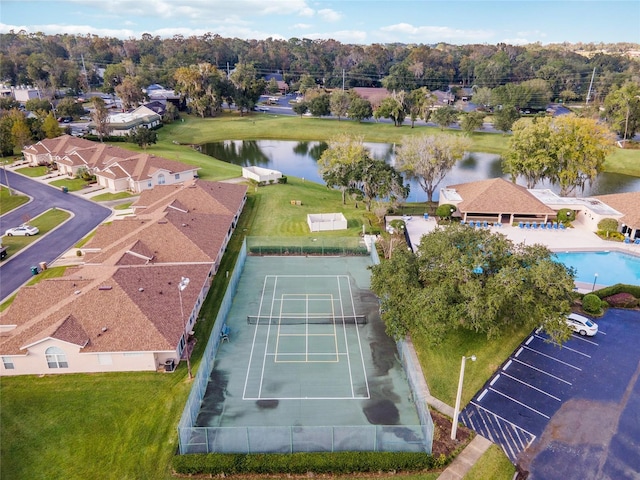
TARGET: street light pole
(181,286)
(454,426)
(595,277)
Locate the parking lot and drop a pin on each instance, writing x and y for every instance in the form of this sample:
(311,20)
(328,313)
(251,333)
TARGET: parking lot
(571,411)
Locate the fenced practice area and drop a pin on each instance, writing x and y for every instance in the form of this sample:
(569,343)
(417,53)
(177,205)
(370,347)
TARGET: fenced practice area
(302,363)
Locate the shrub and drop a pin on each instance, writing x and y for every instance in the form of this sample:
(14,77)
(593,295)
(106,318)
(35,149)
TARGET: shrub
(608,225)
(618,288)
(622,300)
(566,215)
(445,210)
(591,303)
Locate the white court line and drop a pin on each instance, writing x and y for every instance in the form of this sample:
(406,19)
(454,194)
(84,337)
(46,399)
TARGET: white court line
(531,386)
(553,358)
(306,398)
(253,343)
(344,333)
(503,419)
(564,347)
(519,403)
(364,370)
(542,371)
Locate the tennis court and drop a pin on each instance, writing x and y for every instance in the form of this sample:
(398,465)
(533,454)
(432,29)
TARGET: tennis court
(307,352)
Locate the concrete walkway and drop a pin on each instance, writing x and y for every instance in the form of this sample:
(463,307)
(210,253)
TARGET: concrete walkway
(467,459)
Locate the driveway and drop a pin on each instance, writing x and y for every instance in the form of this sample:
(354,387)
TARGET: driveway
(568,412)
(86,216)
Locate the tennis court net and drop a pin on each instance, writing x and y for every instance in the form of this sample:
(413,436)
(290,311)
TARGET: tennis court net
(307,320)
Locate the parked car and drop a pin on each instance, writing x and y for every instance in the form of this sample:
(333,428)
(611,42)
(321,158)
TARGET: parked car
(22,230)
(582,325)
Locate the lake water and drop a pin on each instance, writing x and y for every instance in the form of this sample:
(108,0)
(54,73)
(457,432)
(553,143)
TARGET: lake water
(299,159)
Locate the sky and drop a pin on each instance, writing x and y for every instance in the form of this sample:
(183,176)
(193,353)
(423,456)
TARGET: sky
(362,22)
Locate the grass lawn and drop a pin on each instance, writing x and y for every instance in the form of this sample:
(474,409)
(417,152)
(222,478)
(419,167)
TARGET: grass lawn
(441,364)
(10,201)
(33,171)
(123,206)
(105,197)
(494,464)
(73,184)
(45,222)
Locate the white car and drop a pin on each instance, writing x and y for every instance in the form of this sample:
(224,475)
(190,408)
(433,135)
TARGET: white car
(582,325)
(22,230)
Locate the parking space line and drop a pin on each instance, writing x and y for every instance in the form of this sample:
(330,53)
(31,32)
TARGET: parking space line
(531,386)
(601,332)
(529,340)
(519,403)
(564,347)
(542,371)
(580,337)
(553,358)
(501,418)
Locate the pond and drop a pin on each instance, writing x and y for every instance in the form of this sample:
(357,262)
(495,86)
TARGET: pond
(299,159)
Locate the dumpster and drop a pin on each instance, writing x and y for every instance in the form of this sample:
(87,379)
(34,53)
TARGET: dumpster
(34,270)
(65,190)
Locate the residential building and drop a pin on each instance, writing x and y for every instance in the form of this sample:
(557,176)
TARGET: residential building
(122,309)
(124,123)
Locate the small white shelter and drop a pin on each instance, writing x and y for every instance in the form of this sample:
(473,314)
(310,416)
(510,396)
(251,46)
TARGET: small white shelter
(322,222)
(261,175)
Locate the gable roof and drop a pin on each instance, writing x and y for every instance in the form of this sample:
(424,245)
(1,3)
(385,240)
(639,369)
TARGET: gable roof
(627,203)
(143,165)
(59,146)
(497,195)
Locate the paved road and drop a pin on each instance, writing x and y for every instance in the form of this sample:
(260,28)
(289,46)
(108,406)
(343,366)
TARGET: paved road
(86,216)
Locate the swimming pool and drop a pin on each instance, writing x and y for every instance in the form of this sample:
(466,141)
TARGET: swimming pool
(611,267)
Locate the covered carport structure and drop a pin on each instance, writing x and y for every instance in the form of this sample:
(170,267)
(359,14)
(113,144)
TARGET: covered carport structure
(496,201)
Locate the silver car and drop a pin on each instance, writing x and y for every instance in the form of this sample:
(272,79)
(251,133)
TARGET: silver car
(582,325)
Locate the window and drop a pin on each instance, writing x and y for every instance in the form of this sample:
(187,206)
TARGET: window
(177,176)
(8,363)
(56,358)
(161,179)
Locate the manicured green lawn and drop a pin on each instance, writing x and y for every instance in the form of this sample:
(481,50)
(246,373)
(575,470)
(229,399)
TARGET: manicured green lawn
(441,364)
(493,465)
(123,206)
(73,184)
(10,200)
(105,197)
(45,222)
(33,171)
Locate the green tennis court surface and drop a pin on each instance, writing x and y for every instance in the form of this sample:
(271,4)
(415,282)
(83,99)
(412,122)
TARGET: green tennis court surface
(306,348)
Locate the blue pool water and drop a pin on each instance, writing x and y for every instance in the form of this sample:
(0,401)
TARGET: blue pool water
(611,267)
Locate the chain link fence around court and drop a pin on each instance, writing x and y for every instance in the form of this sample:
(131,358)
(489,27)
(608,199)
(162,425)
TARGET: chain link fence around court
(307,246)
(289,439)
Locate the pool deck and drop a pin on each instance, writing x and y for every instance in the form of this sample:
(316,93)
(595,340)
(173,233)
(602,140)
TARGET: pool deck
(575,239)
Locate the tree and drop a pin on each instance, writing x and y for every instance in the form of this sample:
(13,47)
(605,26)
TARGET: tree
(419,102)
(100,118)
(429,158)
(170,113)
(69,107)
(445,116)
(143,137)
(307,82)
(504,118)
(567,150)
(472,121)
(339,103)
(622,110)
(319,105)
(393,107)
(338,163)
(20,131)
(462,278)
(248,87)
(272,86)
(360,109)
(580,147)
(399,78)
(377,179)
(38,104)
(51,127)
(130,93)
(482,96)
(300,108)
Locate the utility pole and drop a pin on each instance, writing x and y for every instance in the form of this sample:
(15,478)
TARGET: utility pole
(590,85)
(343,79)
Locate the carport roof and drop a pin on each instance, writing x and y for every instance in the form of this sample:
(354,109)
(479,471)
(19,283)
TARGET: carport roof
(498,195)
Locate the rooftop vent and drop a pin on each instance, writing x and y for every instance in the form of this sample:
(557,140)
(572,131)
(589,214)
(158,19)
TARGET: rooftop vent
(105,287)
(141,289)
(104,329)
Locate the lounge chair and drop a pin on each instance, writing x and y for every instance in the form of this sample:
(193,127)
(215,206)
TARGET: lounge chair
(627,240)
(561,225)
(543,225)
(521,225)
(462,222)
(471,224)
(527,225)
(637,241)
(555,225)
(535,225)
(485,224)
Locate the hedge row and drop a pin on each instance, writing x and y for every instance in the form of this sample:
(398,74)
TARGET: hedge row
(310,250)
(618,288)
(336,463)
